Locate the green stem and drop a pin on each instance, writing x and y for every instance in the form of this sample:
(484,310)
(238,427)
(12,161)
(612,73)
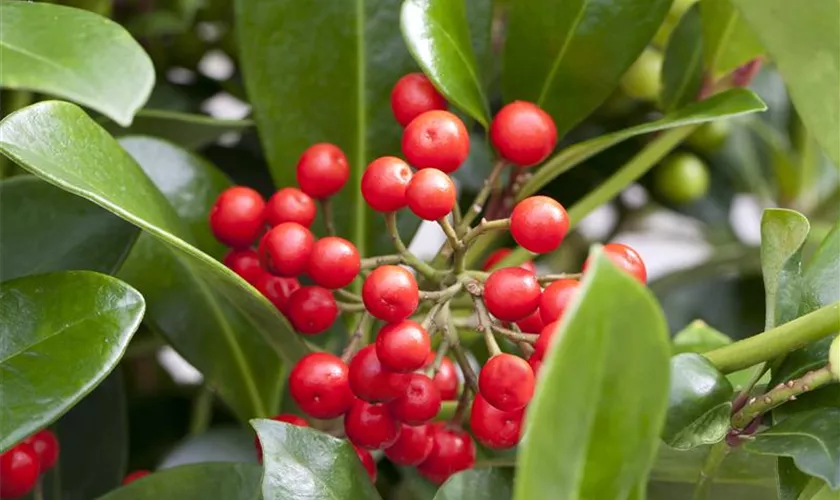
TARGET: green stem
(202,410)
(442,295)
(528,338)
(348,295)
(710,466)
(354,307)
(381,260)
(356,338)
(449,231)
(549,278)
(478,203)
(326,211)
(485,226)
(409,258)
(485,326)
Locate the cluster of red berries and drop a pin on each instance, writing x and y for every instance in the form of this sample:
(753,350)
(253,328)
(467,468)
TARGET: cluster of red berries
(24,463)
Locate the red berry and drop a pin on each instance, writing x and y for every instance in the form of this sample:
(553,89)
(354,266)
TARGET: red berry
(290,205)
(277,289)
(371,381)
(384,183)
(625,258)
(237,217)
(334,262)
(506,382)
(403,346)
(370,425)
(134,476)
(430,194)
(319,385)
(322,170)
(511,293)
(499,254)
(544,340)
(494,428)
(390,293)
(285,249)
(446,378)
(367,461)
(18,471)
(283,417)
(539,224)
(419,403)
(535,363)
(532,323)
(311,310)
(46,446)
(453,450)
(436,139)
(246,263)
(412,96)
(412,447)
(523,134)
(555,298)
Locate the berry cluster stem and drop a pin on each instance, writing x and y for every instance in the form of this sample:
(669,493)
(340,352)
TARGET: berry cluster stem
(451,235)
(715,457)
(326,210)
(478,203)
(528,338)
(409,258)
(381,260)
(485,324)
(485,226)
(442,295)
(348,295)
(443,320)
(550,278)
(356,337)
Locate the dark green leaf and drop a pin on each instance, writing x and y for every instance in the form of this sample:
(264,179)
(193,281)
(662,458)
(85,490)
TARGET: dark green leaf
(717,491)
(699,403)
(217,444)
(683,466)
(728,41)
(682,69)
(792,481)
(477,484)
(783,234)
(438,37)
(50,322)
(699,337)
(568,56)
(598,450)
(811,439)
(184,129)
(44,229)
(226,481)
(42,50)
(305,463)
(728,104)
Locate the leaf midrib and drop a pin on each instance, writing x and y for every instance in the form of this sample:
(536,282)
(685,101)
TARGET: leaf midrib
(47,61)
(686,76)
(562,52)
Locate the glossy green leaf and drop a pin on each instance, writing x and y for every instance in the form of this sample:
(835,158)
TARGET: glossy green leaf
(803,44)
(738,467)
(437,34)
(477,484)
(727,104)
(811,439)
(229,481)
(598,450)
(184,129)
(729,42)
(682,69)
(213,335)
(59,143)
(42,50)
(305,463)
(792,481)
(783,234)
(698,337)
(217,444)
(43,229)
(568,56)
(699,403)
(50,321)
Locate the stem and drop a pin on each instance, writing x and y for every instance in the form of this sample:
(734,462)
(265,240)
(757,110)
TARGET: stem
(202,410)
(409,258)
(441,352)
(348,307)
(457,217)
(356,338)
(485,326)
(348,295)
(449,231)
(549,278)
(528,338)
(741,399)
(381,260)
(38,492)
(478,203)
(442,295)
(443,321)
(484,226)
(461,409)
(717,453)
(428,322)
(526,348)
(326,210)
(777,341)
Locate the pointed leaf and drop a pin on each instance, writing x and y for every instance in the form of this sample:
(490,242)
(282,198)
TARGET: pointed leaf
(477,484)
(783,234)
(698,337)
(230,481)
(728,40)
(184,129)
(682,69)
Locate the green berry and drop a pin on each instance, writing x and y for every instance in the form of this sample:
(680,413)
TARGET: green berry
(642,79)
(681,178)
(710,136)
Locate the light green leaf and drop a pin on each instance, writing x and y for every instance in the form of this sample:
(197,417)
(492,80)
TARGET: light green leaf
(738,467)
(682,69)
(228,481)
(184,129)
(783,234)
(698,337)
(476,484)
(729,42)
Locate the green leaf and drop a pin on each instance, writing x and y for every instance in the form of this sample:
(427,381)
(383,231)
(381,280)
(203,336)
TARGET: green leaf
(698,337)
(184,129)
(305,463)
(811,439)
(801,42)
(42,50)
(792,481)
(699,403)
(682,69)
(213,335)
(50,321)
(476,484)
(437,34)
(228,443)
(729,42)
(783,234)
(44,229)
(59,143)
(568,56)
(229,481)
(739,467)
(601,396)
(727,104)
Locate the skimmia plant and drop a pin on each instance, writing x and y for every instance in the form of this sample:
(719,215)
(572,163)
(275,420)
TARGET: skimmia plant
(394,275)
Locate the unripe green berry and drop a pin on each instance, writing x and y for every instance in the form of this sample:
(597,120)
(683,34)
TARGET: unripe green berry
(709,137)
(642,79)
(834,358)
(681,178)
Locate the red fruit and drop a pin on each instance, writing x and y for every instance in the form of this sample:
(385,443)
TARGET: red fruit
(237,217)
(523,134)
(494,428)
(544,340)
(367,461)
(384,183)
(419,403)
(371,381)
(18,471)
(283,417)
(322,170)
(412,96)
(453,450)
(446,378)
(403,346)
(246,263)
(277,289)
(371,425)
(506,382)
(290,205)
(511,293)
(285,249)
(46,447)
(532,323)
(535,363)
(436,139)
(134,476)
(555,298)
(390,293)
(539,224)
(625,258)
(311,310)
(319,385)
(334,262)
(430,194)
(412,447)
(499,254)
